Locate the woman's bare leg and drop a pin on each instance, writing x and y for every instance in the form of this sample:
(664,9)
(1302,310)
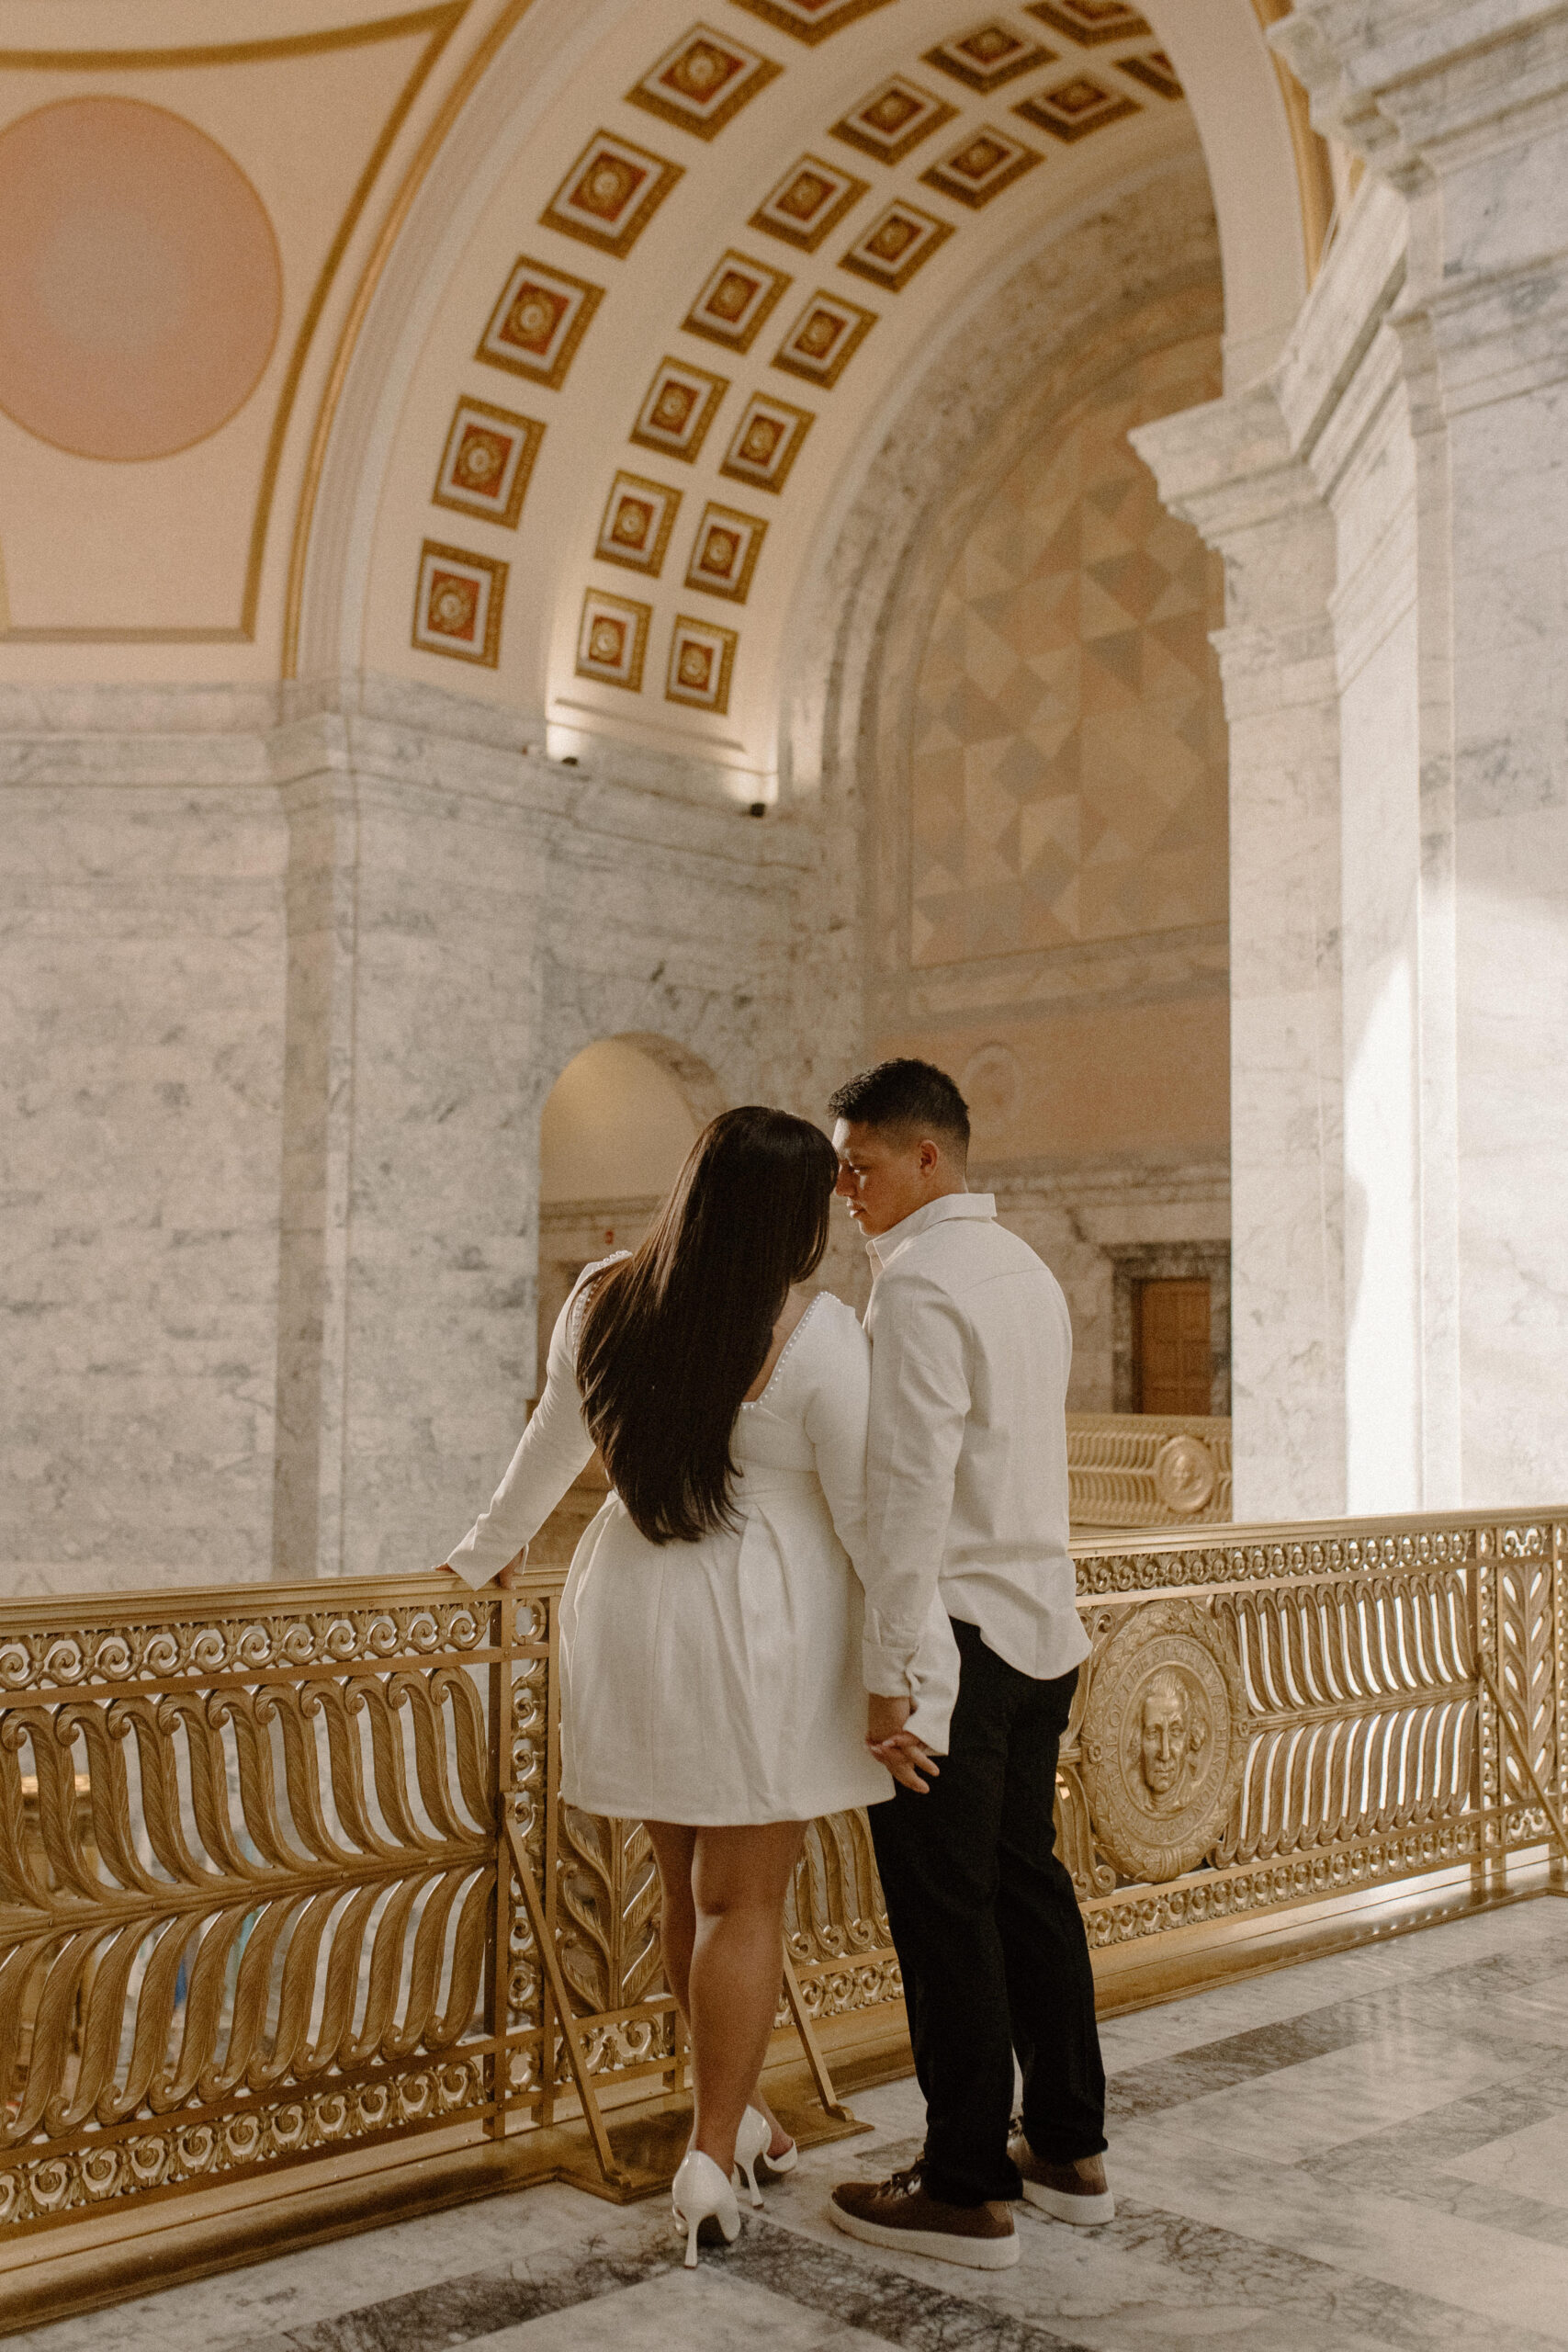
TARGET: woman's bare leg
(674,1849)
(738,1879)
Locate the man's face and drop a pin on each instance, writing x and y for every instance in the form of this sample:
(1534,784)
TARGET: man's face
(1164,1740)
(884,1175)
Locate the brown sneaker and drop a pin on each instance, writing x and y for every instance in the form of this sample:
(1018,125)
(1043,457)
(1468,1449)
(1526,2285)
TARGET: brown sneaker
(1074,2192)
(898,2213)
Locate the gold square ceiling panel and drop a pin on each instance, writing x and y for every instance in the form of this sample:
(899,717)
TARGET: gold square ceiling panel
(766,442)
(457,604)
(987,55)
(735,302)
(1075,107)
(701,657)
(1090,22)
(824,338)
(678,407)
(485,466)
(896,245)
(703,81)
(985,162)
(1154,69)
(611,640)
(894,120)
(809,203)
(611,194)
(810,20)
(638,518)
(541,318)
(725,551)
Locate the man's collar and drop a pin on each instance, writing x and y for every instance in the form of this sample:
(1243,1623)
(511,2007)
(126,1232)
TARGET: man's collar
(881,1246)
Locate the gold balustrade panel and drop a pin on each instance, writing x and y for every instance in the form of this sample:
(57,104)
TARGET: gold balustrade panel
(260,1904)
(1148,1470)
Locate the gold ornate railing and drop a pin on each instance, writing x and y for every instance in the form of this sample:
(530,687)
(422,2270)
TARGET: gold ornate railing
(288,1897)
(1148,1470)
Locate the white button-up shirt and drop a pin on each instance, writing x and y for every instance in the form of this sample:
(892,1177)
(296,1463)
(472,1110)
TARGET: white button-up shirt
(966,1462)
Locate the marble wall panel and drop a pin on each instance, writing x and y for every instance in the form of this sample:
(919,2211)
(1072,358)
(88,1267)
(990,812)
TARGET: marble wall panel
(142,941)
(288,981)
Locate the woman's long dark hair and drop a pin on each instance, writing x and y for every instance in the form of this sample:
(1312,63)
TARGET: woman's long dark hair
(675,1335)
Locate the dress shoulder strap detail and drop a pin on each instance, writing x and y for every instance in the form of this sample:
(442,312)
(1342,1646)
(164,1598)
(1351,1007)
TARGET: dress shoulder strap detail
(750,1403)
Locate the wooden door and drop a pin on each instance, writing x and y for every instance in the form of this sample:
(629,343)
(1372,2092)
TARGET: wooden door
(1172,1347)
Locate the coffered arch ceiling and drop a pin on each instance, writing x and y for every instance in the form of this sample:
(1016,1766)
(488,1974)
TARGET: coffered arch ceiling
(682,265)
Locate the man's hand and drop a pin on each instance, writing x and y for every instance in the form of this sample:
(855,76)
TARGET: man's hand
(904,1757)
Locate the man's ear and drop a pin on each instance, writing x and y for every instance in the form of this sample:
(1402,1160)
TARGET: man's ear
(930,1156)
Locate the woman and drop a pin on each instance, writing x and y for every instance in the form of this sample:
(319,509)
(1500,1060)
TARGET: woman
(710,1628)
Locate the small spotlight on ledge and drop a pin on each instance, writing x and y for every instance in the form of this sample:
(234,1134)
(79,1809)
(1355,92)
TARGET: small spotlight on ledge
(567,760)
(758,809)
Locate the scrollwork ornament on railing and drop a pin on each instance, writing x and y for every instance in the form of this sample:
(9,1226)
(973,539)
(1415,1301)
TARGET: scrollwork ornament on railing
(243,1642)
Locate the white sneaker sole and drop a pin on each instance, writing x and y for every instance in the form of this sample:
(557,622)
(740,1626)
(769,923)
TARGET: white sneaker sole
(1084,2212)
(975,2254)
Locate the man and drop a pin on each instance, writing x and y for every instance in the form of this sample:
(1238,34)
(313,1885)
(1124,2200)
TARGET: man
(966,1479)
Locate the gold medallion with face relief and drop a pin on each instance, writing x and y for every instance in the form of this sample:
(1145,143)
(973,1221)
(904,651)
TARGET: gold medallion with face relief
(1164,1739)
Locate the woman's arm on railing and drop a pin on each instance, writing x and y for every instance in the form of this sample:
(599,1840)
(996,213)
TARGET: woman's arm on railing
(554,1448)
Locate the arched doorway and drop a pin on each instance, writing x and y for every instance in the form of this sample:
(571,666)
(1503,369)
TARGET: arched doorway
(615,1127)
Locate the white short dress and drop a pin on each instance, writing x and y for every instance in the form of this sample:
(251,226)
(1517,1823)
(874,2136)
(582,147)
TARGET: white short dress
(719,1682)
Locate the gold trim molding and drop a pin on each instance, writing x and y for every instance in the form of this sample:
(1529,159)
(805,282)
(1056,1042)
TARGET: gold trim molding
(438,23)
(398,211)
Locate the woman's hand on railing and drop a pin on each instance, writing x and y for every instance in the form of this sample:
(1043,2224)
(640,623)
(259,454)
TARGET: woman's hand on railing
(508,1579)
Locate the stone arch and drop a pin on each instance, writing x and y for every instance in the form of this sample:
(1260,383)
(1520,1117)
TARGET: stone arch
(589,1207)
(1241,124)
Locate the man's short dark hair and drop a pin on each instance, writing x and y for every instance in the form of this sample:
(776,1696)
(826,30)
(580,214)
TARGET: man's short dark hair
(905,1093)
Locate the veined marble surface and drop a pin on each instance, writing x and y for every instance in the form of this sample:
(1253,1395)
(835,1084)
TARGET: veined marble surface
(1365,2151)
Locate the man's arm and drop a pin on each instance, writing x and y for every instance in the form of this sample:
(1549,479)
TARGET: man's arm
(919,1403)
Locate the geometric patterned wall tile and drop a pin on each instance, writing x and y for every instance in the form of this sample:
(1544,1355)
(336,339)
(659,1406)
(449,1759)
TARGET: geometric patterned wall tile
(987,55)
(1075,107)
(611,640)
(810,20)
(701,660)
(985,161)
(896,245)
(766,442)
(809,203)
(703,81)
(611,194)
(541,318)
(1090,22)
(678,406)
(1068,758)
(485,466)
(458,602)
(739,295)
(893,120)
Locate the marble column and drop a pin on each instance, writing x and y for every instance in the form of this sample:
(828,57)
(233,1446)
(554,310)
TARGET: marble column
(1229,470)
(406,1290)
(1413,434)
(1465,112)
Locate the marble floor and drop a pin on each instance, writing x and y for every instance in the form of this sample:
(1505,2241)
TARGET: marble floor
(1369,2150)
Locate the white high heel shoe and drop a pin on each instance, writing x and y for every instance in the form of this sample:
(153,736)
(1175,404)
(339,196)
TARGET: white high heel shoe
(752,2143)
(700,2193)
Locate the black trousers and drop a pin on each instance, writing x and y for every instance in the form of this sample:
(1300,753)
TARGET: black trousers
(990,1939)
